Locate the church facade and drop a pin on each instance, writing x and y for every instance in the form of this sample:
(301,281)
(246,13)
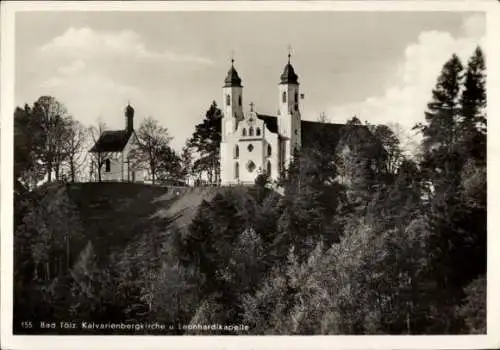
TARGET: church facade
(254,143)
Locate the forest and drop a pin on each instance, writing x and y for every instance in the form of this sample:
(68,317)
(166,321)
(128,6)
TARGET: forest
(367,242)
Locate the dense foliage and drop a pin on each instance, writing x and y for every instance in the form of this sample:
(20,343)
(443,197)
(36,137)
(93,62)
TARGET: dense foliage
(362,241)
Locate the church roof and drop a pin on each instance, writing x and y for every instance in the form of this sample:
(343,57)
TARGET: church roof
(111,141)
(289,76)
(232,78)
(313,132)
(309,129)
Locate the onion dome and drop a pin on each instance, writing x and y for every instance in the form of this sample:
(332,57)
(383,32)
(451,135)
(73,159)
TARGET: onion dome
(129,110)
(232,78)
(288,76)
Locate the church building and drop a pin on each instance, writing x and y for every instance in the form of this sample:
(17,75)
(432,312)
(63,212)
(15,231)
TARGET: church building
(112,149)
(253,143)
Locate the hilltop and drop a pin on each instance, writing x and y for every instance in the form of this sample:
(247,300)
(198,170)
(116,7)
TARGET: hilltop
(111,215)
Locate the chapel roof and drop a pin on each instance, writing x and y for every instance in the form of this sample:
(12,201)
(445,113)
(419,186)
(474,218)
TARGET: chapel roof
(111,141)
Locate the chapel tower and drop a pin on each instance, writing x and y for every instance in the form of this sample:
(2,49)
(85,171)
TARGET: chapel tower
(232,102)
(129,118)
(289,113)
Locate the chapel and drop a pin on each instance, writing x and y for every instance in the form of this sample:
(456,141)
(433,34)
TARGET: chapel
(113,151)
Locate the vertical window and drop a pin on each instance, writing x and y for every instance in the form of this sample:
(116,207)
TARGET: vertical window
(250,131)
(236,152)
(107,165)
(296,97)
(239,100)
(244,132)
(284,96)
(236,170)
(269,150)
(257,132)
(268,168)
(228,100)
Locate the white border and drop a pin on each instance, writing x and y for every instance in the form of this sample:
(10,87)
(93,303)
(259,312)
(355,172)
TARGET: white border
(492,340)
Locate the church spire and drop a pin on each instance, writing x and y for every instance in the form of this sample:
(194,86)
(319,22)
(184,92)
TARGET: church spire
(288,76)
(232,78)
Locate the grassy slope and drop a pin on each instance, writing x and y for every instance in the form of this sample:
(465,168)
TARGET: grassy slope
(113,214)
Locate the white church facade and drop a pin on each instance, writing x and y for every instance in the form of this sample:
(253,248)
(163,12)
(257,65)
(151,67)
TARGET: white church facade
(253,143)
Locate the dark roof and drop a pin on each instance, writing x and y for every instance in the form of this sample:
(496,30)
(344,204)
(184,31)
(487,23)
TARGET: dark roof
(232,78)
(111,141)
(270,121)
(288,76)
(315,133)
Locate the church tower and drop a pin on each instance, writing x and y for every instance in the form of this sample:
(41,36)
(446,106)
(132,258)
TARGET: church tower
(289,113)
(232,102)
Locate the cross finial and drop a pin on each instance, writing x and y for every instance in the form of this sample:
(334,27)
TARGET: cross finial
(289,52)
(251,106)
(232,58)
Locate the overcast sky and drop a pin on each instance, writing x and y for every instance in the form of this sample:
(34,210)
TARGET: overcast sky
(380,66)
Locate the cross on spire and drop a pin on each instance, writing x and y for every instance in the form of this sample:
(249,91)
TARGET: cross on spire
(289,52)
(251,106)
(232,57)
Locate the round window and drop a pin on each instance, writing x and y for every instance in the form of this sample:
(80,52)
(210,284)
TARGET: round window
(250,148)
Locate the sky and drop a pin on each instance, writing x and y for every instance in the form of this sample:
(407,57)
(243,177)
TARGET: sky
(380,66)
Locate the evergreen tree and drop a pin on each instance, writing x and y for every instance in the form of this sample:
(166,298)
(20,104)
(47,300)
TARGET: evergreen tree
(205,141)
(29,139)
(442,128)
(473,99)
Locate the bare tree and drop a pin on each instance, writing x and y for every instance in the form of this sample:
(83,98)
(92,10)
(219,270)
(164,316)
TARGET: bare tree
(152,140)
(52,116)
(98,156)
(75,142)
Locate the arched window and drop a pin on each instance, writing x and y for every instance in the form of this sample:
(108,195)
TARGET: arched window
(236,170)
(284,96)
(236,152)
(239,100)
(228,100)
(250,131)
(107,165)
(269,150)
(268,168)
(257,132)
(244,132)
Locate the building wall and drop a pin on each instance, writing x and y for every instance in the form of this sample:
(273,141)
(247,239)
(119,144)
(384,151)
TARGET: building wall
(120,169)
(114,172)
(252,158)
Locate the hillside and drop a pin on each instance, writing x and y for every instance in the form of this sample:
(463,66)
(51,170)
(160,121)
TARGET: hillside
(112,214)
